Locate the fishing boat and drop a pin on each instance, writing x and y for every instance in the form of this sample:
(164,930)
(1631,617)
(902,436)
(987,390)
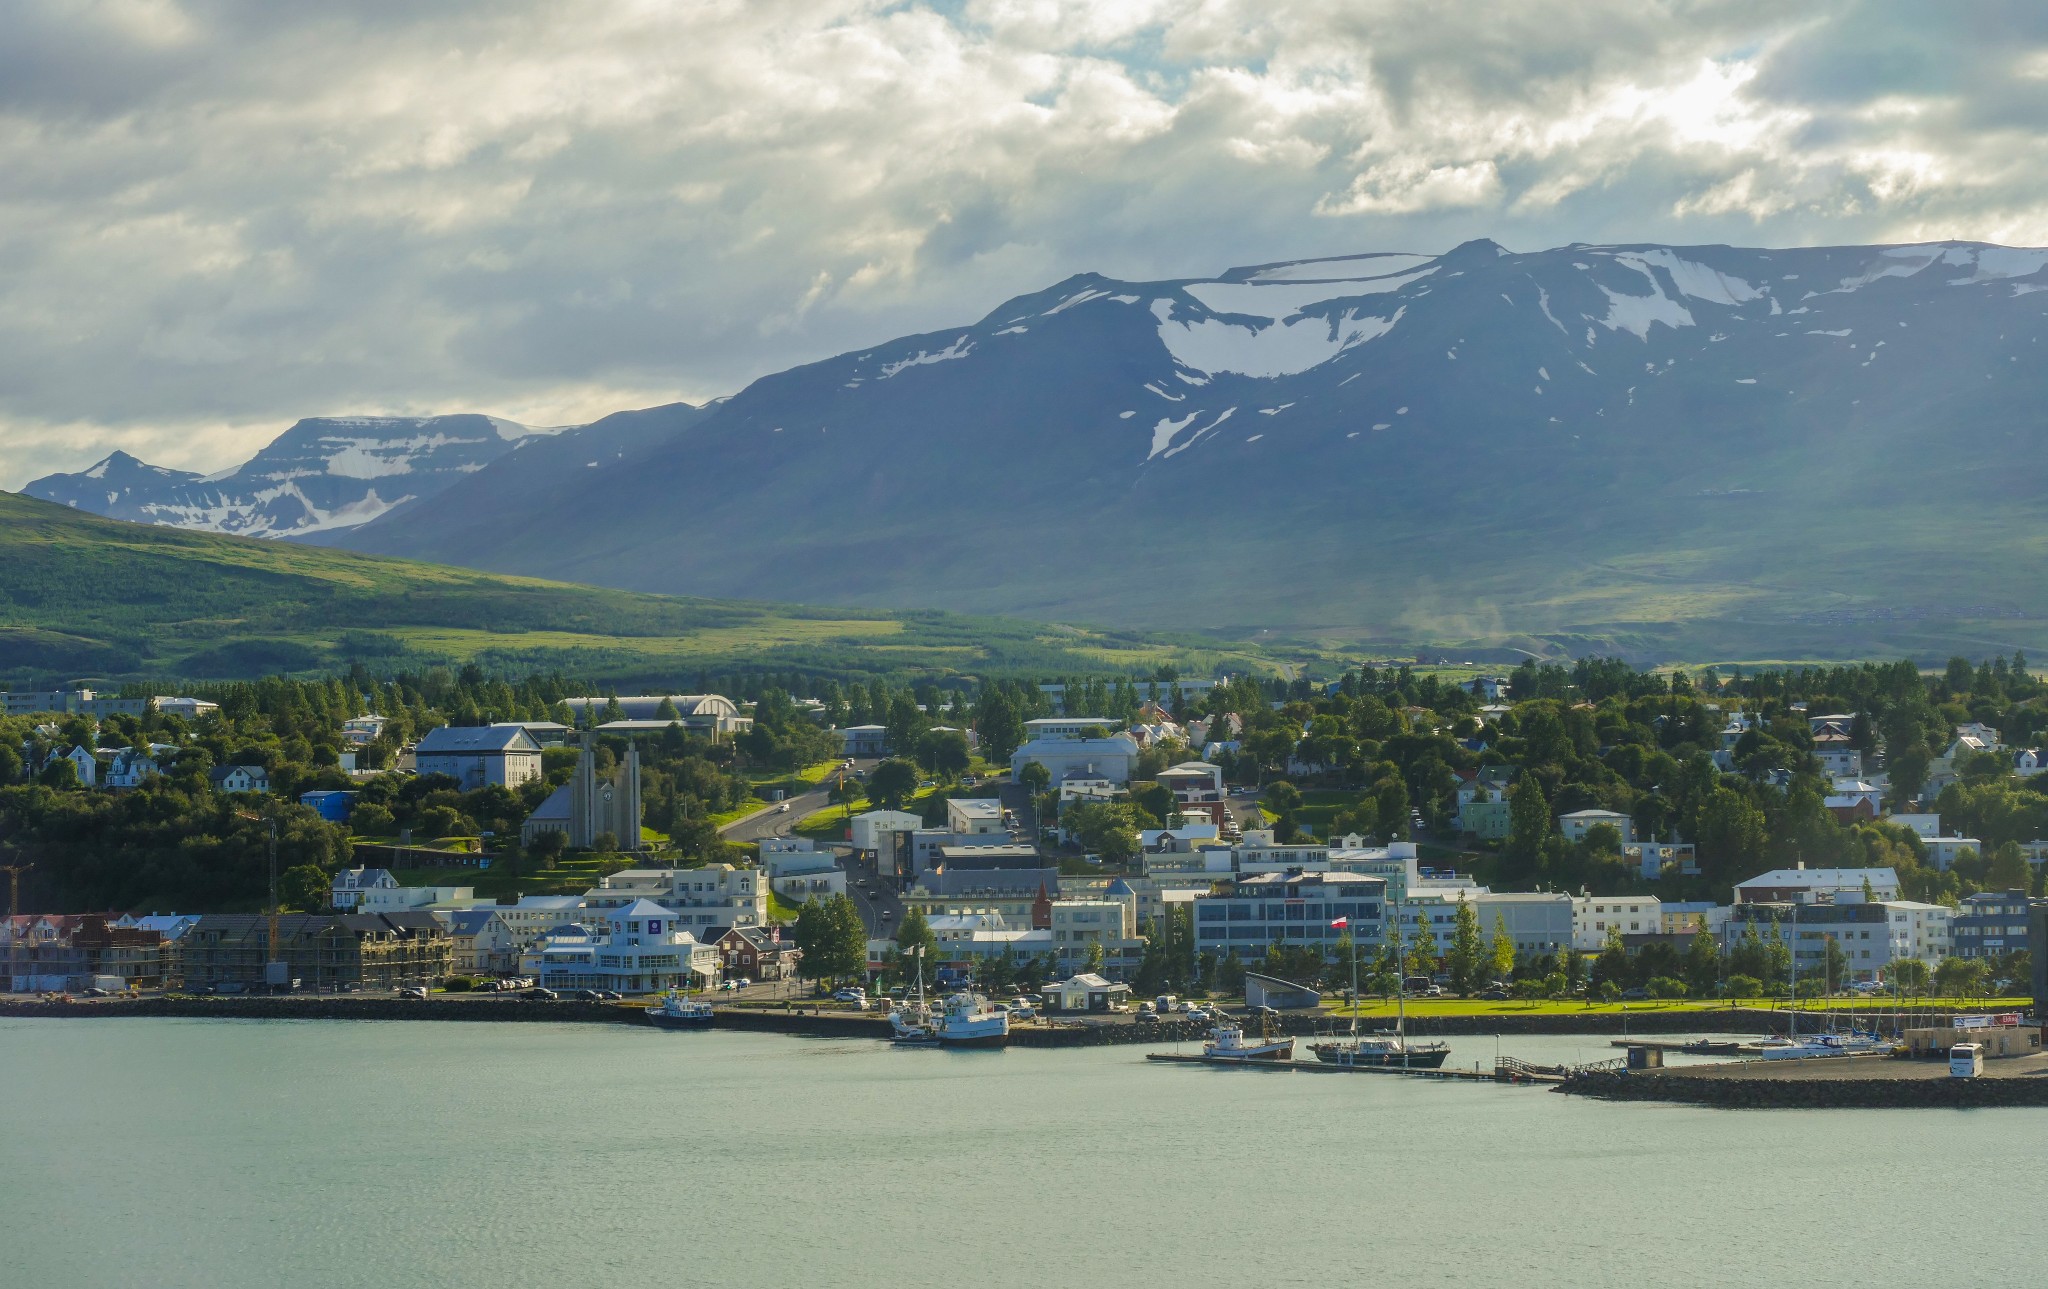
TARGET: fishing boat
(1788,1049)
(912,1024)
(968,1020)
(678,1012)
(1379,1049)
(1227,1045)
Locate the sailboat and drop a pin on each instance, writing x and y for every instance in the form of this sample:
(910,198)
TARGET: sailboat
(912,1023)
(1380,1049)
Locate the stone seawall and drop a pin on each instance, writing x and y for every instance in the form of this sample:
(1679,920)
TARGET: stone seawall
(1811,1094)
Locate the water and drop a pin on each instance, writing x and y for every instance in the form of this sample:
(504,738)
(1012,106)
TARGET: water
(393,1154)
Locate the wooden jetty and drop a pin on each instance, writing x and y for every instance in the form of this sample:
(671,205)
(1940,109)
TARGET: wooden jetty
(1694,1047)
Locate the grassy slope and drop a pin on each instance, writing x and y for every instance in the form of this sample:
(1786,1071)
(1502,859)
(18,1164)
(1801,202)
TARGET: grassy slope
(85,597)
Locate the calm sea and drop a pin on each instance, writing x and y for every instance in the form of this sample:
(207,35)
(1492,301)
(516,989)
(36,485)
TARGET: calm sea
(258,1153)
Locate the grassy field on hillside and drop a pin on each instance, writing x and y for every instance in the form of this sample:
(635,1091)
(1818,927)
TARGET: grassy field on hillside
(86,598)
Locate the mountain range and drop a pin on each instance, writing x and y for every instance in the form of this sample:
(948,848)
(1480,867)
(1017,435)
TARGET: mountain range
(1659,451)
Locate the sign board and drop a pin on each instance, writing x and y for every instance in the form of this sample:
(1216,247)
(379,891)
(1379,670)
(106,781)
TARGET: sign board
(1972,1022)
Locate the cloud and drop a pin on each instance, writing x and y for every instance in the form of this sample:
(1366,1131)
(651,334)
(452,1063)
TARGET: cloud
(215,219)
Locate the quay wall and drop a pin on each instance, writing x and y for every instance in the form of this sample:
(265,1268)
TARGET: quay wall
(1877,1093)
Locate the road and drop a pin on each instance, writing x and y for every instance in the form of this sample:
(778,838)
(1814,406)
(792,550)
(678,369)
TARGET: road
(880,908)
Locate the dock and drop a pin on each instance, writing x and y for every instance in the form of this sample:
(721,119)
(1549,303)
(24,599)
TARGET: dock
(1697,1047)
(1506,1070)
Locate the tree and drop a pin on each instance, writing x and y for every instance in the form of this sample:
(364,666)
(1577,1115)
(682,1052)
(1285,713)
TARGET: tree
(1702,964)
(944,753)
(833,940)
(304,887)
(1907,975)
(1096,956)
(59,774)
(1468,949)
(1961,978)
(1000,727)
(1730,836)
(1035,776)
(1612,966)
(891,783)
(1528,825)
(1422,954)
(1503,949)
(2009,870)
(914,933)
(1108,829)
(1284,799)
(548,846)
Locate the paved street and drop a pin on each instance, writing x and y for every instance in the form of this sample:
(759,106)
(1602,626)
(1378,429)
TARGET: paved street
(880,907)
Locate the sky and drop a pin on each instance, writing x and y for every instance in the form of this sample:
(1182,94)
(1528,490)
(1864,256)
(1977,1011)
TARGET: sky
(218,218)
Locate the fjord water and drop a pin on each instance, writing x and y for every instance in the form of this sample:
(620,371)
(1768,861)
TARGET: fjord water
(395,1154)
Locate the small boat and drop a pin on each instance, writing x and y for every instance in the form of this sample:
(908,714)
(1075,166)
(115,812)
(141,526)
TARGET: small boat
(1383,1049)
(1227,1044)
(912,1024)
(968,1020)
(677,1012)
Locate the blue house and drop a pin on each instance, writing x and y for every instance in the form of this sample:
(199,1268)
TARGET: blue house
(333,804)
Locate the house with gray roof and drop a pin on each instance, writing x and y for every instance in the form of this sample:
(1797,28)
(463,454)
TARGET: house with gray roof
(478,756)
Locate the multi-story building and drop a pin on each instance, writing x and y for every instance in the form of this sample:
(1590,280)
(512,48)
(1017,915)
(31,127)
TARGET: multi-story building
(1813,885)
(1296,908)
(57,952)
(1020,896)
(1991,924)
(714,895)
(1080,925)
(634,948)
(1593,916)
(1537,922)
(320,950)
(1861,930)
(480,944)
(478,756)
(1922,931)
(1077,747)
(1578,823)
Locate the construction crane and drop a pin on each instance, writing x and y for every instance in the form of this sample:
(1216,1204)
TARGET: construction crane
(14,872)
(270,945)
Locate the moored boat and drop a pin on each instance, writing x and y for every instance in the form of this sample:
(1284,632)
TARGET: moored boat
(968,1020)
(912,1024)
(1228,1044)
(677,1012)
(1382,1049)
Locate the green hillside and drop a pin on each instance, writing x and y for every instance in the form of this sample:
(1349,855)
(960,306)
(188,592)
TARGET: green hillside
(83,597)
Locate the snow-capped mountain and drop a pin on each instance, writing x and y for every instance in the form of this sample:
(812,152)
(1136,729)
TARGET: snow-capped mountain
(321,475)
(1641,448)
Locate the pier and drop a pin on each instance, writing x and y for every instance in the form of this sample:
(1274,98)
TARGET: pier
(1507,1069)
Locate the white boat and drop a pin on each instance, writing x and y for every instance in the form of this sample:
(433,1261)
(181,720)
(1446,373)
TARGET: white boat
(1227,1044)
(1789,1049)
(677,1012)
(912,1023)
(968,1020)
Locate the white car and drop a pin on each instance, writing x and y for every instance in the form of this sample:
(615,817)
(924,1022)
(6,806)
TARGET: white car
(1021,1011)
(859,996)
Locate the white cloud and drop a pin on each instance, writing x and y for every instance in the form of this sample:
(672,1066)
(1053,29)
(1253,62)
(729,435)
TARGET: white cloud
(215,220)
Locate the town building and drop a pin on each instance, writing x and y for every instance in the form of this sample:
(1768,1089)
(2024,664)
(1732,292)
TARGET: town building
(1080,927)
(1651,858)
(1594,916)
(480,944)
(1861,930)
(713,895)
(754,953)
(239,778)
(1811,885)
(864,740)
(1578,823)
(1077,748)
(1022,897)
(1923,931)
(190,709)
(1991,924)
(332,804)
(634,948)
(320,950)
(55,953)
(478,756)
(350,885)
(71,702)
(712,715)
(1087,992)
(1296,908)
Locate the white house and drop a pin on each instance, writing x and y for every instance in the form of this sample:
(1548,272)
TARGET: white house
(482,943)
(1063,746)
(974,817)
(239,778)
(400,899)
(879,830)
(1593,916)
(350,884)
(1578,823)
(131,766)
(1922,931)
(479,756)
(189,708)
(1650,857)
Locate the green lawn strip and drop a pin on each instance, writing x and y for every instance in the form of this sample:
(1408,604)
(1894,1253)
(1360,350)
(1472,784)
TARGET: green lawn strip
(751,806)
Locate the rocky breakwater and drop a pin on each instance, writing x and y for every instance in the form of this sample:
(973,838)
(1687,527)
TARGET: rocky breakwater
(1824,1083)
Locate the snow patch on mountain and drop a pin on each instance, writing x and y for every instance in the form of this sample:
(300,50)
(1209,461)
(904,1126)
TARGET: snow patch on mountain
(1167,427)
(1275,302)
(960,348)
(1211,345)
(1636,314)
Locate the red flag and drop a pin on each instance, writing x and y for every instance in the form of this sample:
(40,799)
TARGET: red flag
(1341,922)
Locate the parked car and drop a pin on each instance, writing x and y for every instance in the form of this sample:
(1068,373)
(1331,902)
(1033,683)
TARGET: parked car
(590,996)
(1636,995)
(537,994)
(413,991)
(859,996)
(1147,1016)
(1201,1015)
(1021,1011)
(1494,995)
